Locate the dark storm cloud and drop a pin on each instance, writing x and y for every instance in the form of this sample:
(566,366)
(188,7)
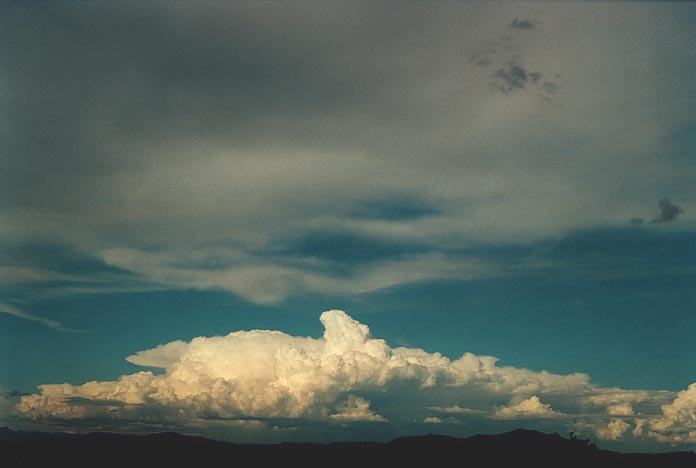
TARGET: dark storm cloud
(521,24)
(668,211)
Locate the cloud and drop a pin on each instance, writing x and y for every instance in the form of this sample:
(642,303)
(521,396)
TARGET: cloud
(456,409)
(162,356)
(511,75)
(356,409)
(345,377)
(347,248)
(394,208)
(272,279)
(511,78)
(620,409)
(255,126)
(614,430)
(268,374)
(668,212)
(521,24)
(616,396)
(531,408)
(432,420)
(17,312)
(515,77)
(677,423)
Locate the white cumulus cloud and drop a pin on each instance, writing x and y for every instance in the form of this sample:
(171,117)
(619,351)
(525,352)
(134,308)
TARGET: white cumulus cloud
(677,424)
(614,430)
(620,409)
(345,377)
(432,420)
(532,407)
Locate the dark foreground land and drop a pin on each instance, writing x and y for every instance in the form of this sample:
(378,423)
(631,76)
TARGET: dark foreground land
(519,448)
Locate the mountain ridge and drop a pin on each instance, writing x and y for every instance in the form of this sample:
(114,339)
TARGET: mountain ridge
(520,446)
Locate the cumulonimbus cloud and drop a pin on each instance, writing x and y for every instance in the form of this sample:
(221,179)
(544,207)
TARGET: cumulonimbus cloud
(345,377)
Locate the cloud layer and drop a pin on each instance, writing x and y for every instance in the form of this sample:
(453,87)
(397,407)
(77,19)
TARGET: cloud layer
(349,377)
(183,145)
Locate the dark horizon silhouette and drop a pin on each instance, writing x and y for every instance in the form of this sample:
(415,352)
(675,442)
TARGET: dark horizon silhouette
(520,446)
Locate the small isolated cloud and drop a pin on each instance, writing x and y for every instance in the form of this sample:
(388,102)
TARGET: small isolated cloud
(521,24)
(356,409)
(637,220)
(668,211)
(432,420)
(614,430)
(531,408)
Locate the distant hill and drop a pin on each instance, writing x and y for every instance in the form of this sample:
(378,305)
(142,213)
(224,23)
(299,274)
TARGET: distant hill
(519,448)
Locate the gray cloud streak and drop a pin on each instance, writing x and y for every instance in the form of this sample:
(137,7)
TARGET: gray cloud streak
(521,24)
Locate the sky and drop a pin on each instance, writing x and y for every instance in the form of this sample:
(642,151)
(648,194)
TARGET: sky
(265,221)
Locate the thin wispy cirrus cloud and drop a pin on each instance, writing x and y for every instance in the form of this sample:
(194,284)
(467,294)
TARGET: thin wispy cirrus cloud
(18,312)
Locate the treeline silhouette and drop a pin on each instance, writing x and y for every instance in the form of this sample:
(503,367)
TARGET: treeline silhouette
(519,448)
